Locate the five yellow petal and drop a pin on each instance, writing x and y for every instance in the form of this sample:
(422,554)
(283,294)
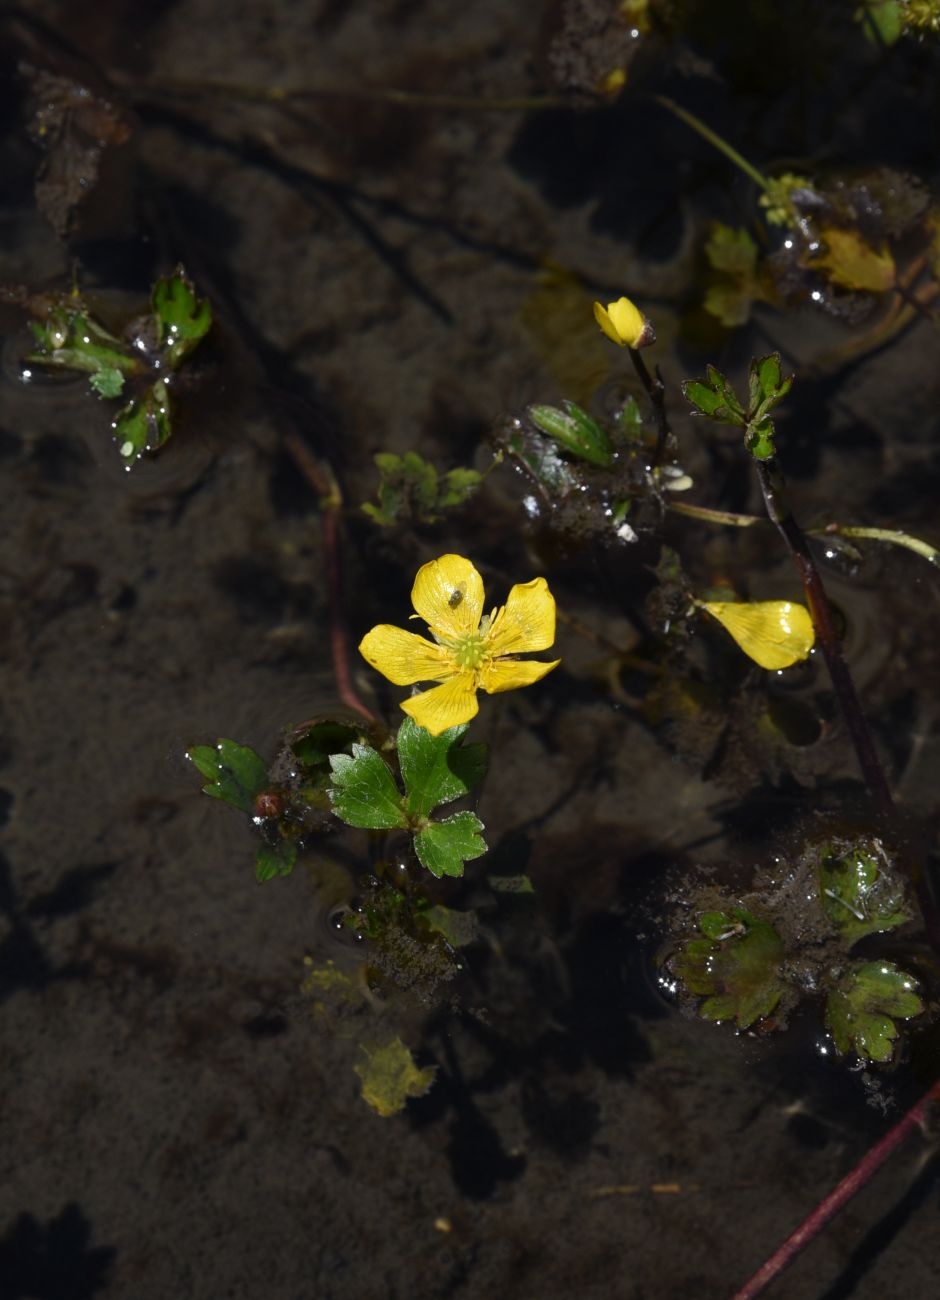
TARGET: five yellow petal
(469,652)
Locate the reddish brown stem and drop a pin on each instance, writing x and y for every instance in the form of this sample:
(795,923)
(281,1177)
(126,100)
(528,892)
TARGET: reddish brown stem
(827,1209)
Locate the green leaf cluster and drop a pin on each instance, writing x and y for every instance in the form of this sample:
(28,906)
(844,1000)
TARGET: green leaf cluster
(435,770)
(858,894)
(410,486)
(69,338)
(715,397)
(863,1009)
(735,966)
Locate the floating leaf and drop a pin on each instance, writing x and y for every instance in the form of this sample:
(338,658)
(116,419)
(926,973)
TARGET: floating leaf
(181,318)
(736,967)
(389,1077)
(143,424)
(236,774)
(862,1010)
(860,893)
(458,928)
(774,633)
(363,791)
(575,431)
(276,859)
(443,847)
(437,769)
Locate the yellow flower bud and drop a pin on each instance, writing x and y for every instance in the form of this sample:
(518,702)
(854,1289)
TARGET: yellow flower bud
(624,324)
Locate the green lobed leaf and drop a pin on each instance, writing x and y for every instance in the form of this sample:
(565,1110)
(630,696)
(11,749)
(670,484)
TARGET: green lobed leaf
(411,484)
(732,251)
(736,967)
(860,892)
(363,791)
(443,847)
(313,746)
(276,859)
(714,397)
(575,431)
(458,486)
(436,769)
(862,1009)
(181,318)
(235,773)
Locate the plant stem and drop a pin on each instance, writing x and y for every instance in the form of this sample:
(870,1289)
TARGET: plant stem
(713,139)
(656,392)
(820,610)
(828,1208)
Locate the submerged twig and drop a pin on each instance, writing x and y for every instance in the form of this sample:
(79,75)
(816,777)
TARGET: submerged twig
(830,1206)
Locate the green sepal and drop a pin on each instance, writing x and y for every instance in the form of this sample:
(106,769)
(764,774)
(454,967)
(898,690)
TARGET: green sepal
(575,431)
(181,318)
(363,791)
(276,859)
(443,847)
(736,967)
(862,1010)
(235,773)
(436,769)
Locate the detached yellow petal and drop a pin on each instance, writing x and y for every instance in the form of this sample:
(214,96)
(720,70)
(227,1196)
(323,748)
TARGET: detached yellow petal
(508,674)
(405,658)
(448,594)
(445,706)
(526,622)
(774,633)
(624,324)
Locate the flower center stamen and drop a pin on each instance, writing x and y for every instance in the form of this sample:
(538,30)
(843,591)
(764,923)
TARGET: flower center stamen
(469,651)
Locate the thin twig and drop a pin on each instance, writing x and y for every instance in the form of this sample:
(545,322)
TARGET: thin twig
(828,1208)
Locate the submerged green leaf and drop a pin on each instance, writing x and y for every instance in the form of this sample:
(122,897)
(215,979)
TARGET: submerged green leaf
(443,847)
(108,382)
(276,859)
(389,1077)
(363,791)
(235,773)
(437,769)
(860,892)
(736,967)
(862,1010)
(411,486)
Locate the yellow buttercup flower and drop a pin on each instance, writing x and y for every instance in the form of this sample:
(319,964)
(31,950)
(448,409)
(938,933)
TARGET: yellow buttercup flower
(470,651)
(624,324)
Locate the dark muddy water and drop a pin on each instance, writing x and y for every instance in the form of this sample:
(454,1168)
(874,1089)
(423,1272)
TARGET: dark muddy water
(394,276)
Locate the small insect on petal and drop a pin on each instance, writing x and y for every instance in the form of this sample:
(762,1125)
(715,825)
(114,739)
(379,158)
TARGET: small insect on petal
(774,633)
